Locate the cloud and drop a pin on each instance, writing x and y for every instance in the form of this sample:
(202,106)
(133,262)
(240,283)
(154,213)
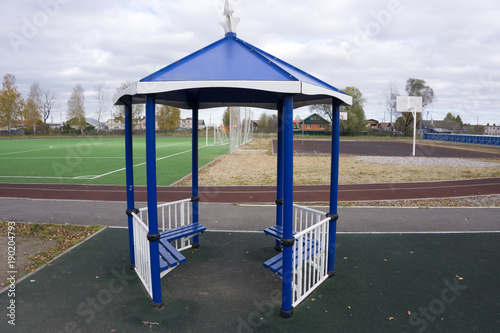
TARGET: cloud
(453,46)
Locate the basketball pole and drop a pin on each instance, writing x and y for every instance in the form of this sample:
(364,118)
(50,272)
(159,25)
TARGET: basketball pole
(414,112)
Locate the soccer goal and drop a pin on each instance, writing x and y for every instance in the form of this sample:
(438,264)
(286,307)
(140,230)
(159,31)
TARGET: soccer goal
(216,135)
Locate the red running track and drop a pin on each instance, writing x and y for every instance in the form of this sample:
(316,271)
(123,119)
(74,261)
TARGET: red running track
(259,194)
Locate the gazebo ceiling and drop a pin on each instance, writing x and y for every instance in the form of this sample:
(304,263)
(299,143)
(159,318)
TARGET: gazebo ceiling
(231,72)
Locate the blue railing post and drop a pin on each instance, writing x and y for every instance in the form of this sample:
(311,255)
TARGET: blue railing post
(279,186)
(129,166)
(153,235)
(288,240)
(194,171)
(334,187)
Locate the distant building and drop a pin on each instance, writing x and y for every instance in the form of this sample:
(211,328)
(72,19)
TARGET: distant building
(117,123)
(188,123)
(442,126)
(372,124)
(492,129)
(313,123)
(386,127)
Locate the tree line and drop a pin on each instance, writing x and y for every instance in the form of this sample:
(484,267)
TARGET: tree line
(34,111)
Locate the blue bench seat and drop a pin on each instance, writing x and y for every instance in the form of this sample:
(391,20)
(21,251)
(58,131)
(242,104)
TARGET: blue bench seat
(276,231)
(181,232)
(169,255)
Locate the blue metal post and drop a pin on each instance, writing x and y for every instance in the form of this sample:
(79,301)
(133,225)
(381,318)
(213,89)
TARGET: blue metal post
(279,187)
(129,166)
(288,240)
(334,186)
(153,235)
(194,171)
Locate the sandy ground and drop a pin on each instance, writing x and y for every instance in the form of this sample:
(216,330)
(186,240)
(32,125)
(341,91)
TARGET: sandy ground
(254,164)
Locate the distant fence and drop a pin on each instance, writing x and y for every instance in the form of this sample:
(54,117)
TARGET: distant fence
(490,140)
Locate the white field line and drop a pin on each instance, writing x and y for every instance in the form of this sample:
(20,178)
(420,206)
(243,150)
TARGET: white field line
(136,165)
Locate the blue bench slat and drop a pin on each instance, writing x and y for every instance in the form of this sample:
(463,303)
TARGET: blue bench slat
(169,255)
(181,232)
(275,264)
(276,231)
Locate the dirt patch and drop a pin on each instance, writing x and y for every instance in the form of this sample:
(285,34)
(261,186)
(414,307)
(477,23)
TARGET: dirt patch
(255,165)
(25,248)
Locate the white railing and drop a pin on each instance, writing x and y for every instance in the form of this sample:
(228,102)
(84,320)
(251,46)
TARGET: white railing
(172,215)
(141,253)
(310,252)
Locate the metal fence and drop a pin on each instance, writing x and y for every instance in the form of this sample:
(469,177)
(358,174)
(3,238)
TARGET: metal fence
(490,140)
(310,258)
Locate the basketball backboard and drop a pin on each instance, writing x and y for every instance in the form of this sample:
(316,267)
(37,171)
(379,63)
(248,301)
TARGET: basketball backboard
(409,104)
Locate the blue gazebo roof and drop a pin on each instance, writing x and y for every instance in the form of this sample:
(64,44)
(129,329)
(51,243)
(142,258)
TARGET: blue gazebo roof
(232,72)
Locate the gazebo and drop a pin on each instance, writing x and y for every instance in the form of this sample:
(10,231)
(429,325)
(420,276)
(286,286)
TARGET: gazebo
(232,72)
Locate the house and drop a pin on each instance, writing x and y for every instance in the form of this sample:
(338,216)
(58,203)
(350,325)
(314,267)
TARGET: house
(142,124)
(492,129)
(117,123)
(386,127)
(94,122)
(188,123)
(442,126)
(372,124)
(313,123)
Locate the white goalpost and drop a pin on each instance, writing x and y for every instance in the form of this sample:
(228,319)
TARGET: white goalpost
(215,135)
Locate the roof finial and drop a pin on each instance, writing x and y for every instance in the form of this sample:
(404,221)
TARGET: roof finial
(229,22)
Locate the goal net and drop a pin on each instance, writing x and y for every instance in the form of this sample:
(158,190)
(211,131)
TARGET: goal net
(240,127)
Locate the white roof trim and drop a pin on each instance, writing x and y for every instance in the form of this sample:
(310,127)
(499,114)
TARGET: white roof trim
(286,87)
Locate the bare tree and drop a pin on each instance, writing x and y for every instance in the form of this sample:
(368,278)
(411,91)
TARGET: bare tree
(137,109)
(391,92)
(101,97)
(48,103)
(323,110)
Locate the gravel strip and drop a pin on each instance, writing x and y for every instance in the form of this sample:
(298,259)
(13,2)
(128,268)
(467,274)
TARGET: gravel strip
(484,201)
(417,160)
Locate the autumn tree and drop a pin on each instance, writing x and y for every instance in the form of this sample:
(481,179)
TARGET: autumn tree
(169,118)
(137,109)
(11,102)
(32,112)
(76,108)
(225,117)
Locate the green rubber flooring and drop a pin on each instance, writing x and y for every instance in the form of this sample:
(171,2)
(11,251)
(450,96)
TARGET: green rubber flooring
(383,283)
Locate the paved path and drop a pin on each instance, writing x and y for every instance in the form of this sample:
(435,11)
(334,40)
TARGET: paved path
(225,216)
(259,194)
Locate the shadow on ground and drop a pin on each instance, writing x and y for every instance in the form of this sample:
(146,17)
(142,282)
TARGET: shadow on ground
(384,283)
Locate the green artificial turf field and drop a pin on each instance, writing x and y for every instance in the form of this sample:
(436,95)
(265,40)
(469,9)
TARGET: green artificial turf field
(97,160)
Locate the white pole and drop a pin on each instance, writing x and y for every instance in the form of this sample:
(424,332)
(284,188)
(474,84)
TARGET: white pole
(414,129)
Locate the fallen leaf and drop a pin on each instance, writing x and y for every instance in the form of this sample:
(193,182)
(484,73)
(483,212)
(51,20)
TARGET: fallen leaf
(411,251)
(313,299)
(244,261)
(385,259)
(32,280)
(409,313)
(349,307)
(390,318)
(97,277)
(345,258)
(459,277)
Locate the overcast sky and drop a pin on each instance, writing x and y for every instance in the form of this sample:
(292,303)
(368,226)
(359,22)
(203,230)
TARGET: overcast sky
(453,45)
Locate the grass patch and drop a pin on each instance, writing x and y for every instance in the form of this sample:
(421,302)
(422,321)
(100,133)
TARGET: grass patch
(65,236)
